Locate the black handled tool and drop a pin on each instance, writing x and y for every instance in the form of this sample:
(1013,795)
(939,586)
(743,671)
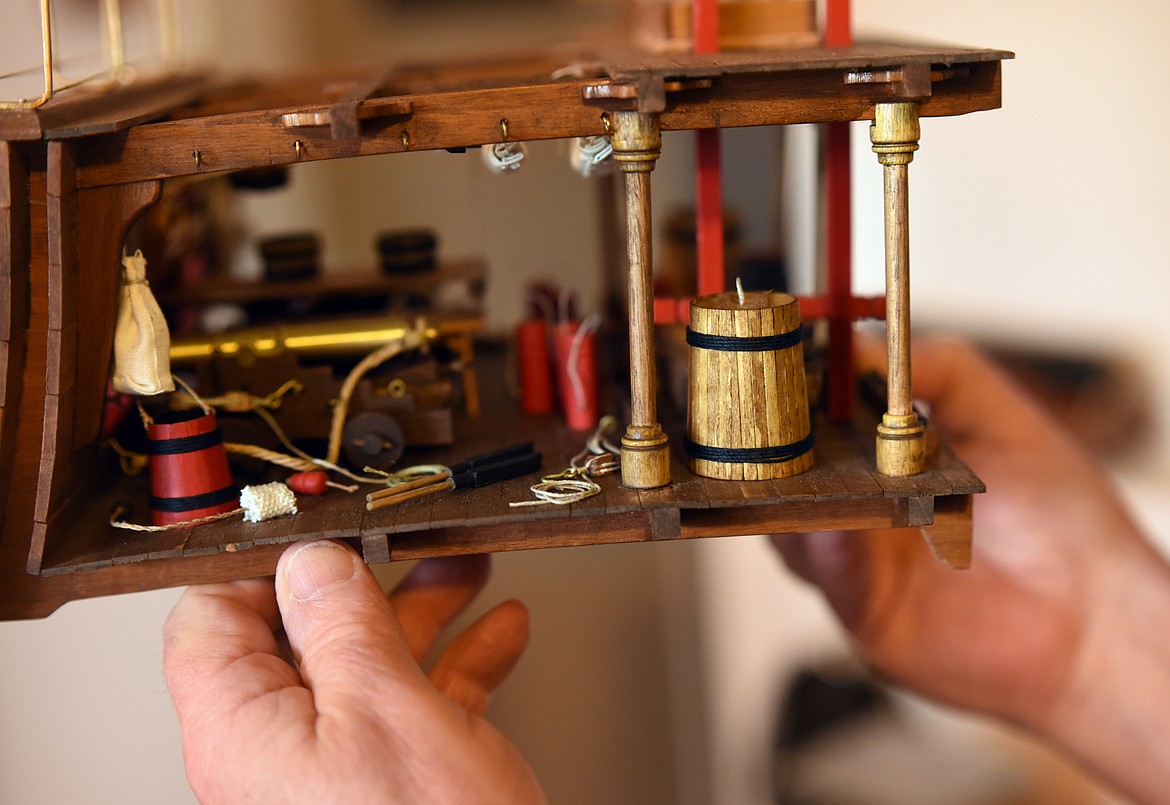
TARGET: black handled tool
(498,465)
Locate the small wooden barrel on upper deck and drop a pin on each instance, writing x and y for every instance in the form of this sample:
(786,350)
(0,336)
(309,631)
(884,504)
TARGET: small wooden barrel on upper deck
(747,416)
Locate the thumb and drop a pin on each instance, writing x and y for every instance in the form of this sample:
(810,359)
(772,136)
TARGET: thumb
(835,561)
(341,629)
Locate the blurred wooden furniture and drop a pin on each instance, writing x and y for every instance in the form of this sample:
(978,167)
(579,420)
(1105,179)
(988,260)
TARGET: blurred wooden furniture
(667,26)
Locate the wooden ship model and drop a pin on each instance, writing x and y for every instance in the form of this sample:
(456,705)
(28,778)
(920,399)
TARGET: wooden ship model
(78,168)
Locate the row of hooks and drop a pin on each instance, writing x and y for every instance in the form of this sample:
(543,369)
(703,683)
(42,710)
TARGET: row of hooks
(507,155)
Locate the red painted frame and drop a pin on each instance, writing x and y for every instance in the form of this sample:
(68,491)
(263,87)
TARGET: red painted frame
(837,304)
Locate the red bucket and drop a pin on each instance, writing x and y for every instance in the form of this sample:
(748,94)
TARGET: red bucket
(189,473)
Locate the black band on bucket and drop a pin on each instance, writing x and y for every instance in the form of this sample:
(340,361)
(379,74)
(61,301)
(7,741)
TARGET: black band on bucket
(193,502)
(184,444)
(749,343)
(748,455)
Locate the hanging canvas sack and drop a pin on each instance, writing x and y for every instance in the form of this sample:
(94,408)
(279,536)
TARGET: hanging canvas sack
(142,342)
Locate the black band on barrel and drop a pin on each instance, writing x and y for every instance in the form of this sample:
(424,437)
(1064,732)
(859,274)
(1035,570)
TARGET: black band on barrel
(749,455)
(185,444)
(193,502)
(751,343)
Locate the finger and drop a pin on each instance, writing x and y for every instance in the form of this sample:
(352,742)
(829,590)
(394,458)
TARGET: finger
(961,386)
(433,594)
(481,657)
(835,561)
(858,571)
(219,655)
(341,628)
(210,629)
(794,549)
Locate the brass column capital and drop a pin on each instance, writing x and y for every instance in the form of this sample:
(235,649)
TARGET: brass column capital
(895,132)
(637,141)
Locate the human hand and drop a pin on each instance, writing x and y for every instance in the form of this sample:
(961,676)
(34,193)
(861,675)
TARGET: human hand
(1051,623)
(355,719)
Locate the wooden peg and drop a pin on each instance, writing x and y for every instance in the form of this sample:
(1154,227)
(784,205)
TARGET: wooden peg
(404,495)
(900,436)
(408,486)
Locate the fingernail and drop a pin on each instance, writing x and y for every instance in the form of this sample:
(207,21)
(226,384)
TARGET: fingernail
(317,568)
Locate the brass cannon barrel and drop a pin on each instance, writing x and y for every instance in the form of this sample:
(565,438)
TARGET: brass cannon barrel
(341,337)
(307,339)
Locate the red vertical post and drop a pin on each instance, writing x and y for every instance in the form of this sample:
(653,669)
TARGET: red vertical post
(709,211)
(839,270)
(708,167)
(838,236)
(838,25)
(705,26)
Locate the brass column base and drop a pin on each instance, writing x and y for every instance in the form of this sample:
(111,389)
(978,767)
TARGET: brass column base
(901,446)
(645,458)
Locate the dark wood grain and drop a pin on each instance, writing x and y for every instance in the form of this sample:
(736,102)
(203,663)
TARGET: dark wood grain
(753,90)
(624,65)
(38,596)
(343,521)
(336,513)
(78,337)
(60,303)
(560,533)
(686,490)
(85,112)
(949,536)
(723,494)
(792,517)
(475,521)
(14,301)
(104,216)
(346,113)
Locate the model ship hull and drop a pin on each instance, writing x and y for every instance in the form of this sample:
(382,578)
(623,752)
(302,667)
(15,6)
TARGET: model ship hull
(74,178)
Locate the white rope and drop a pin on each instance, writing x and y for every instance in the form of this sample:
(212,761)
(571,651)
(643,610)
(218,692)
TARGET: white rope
(309,460)
(592,156)
(271,456)
(211,518)
(573,360)
(504,157)
(560,491)
(410,339)
(407,474)
(575,484)
(263,502)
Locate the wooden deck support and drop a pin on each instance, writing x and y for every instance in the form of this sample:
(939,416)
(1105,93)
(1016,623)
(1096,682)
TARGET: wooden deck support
(900,442)
(637,144)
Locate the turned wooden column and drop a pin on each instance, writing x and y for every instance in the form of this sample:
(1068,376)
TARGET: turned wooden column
(637,144)
(900,443)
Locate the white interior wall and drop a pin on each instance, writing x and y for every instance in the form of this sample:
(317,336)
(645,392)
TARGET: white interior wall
(539,223)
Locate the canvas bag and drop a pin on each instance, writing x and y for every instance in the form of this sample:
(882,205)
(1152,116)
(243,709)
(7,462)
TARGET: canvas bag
(142,343)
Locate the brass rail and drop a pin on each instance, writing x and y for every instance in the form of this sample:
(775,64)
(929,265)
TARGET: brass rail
(113,47)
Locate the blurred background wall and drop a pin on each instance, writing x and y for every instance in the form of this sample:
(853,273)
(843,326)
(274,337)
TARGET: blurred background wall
(657,672)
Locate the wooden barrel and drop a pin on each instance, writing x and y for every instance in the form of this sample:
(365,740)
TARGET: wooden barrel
(747,413)
(189,473)
(290,257)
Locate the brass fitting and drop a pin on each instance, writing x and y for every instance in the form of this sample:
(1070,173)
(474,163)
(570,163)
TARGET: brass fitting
(637,141)
(895,132)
